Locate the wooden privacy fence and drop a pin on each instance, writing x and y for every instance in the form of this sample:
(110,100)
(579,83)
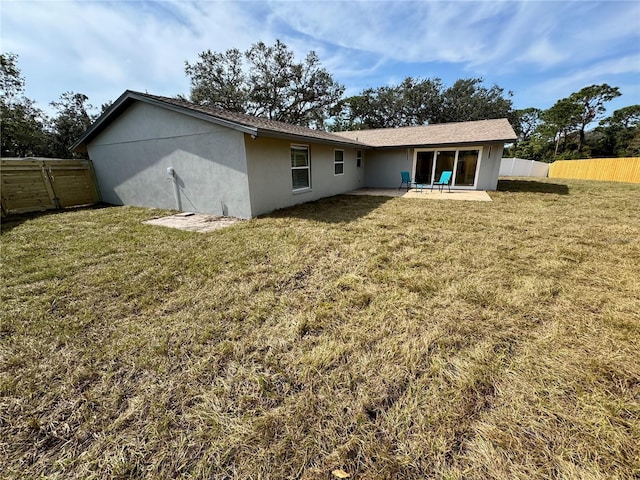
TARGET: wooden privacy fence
(607,169)
(33,184)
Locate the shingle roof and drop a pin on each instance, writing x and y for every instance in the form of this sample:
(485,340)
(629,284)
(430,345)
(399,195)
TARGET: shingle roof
(262,124)
(445,133)
(437,134)
(258,126)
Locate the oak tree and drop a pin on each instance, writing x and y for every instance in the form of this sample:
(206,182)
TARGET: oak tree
(422,101)
(73,118)
(22,128)
(265,81)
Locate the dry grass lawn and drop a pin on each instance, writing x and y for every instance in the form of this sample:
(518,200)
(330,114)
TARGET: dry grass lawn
(390,338)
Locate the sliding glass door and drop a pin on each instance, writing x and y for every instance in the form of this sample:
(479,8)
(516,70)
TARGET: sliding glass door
(444,161)
(429,165)
(424,168)
(466,168)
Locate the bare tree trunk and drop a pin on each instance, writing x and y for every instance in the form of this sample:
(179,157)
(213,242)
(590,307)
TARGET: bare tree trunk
(581,143)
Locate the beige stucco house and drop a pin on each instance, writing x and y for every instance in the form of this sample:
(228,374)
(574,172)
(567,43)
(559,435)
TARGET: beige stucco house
(167,153)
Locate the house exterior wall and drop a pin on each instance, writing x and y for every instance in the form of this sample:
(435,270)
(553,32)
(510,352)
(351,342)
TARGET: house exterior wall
(383,167)
(490,166)
(269,169)
(220,170)
(131,157)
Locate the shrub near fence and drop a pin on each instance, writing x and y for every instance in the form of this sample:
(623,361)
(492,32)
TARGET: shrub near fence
(34,184)
(606,169)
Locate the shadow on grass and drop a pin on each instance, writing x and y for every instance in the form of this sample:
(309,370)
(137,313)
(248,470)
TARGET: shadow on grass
(533,186)
(15,220)
(337,209)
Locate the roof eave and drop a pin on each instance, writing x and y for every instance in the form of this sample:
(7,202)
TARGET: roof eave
(310,139)
(202,116)
(124,101)
(97,125)
(434,145)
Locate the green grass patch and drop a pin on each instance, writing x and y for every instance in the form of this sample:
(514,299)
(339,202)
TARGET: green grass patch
(387,337)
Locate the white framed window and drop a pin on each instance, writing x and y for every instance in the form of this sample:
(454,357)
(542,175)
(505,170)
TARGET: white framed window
(300,168)
(338,162)
(358,158)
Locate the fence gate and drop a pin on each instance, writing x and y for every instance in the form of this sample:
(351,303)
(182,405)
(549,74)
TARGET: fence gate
(34,184)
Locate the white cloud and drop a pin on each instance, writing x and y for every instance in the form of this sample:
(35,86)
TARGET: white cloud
(483,36)
(103,48)
(543,53)
(601,72)
(618,72)
(403,31)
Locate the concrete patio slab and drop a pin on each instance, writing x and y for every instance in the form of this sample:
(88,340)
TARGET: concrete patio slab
(194,222)
(198,222)
(427,194)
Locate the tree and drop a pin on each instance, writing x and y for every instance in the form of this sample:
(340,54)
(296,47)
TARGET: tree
(218,80)
(532,142)
(591,101)
(627,117)
(265,81)
(422,101)
(412,102)
(467,99)
(105,106)
(527,121)
(560,121)
(70,123)
(22,130)
(621,132)
(10,78)
(538,147)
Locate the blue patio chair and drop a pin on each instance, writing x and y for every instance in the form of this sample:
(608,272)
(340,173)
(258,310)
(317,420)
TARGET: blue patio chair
(406,178)
(445,179)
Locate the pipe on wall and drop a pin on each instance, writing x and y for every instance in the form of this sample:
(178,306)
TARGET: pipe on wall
(171,173)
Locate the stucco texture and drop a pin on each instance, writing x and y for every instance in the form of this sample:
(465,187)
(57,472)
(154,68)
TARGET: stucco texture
(131,157)
(383,166)
(269,169)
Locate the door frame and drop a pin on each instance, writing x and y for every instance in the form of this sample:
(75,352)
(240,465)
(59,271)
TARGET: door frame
(456,149)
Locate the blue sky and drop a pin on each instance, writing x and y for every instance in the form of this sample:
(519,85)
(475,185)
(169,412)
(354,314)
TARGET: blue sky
(542,51)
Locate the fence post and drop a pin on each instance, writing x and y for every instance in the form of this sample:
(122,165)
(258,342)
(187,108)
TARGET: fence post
(48,182)
(35,184)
